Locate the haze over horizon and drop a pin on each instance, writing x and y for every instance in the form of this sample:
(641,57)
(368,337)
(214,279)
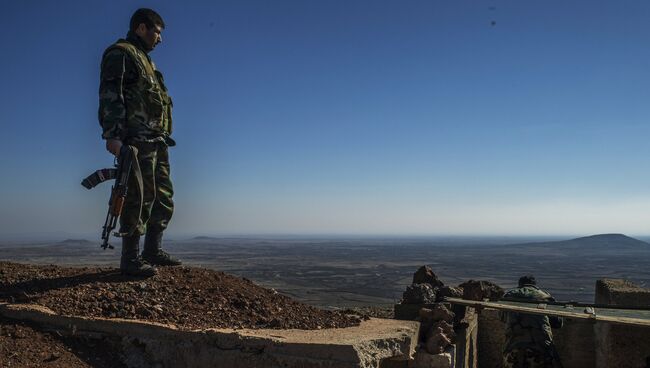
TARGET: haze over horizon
(345,117)
(65,238)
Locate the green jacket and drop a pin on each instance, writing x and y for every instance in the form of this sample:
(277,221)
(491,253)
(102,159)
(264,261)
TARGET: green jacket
(134,104)
(529,331)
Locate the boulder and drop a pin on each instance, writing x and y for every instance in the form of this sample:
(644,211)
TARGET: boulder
(437,313)
(447,329)
(481,290)
(425,275)
(449,292)
(419,294)
(436,341)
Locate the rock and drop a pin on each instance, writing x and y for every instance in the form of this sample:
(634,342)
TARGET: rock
(143,311)
(436,341)
(425,275)
(426,360)
(449,292)
(438,313)
(275,322)
(419,294)
(447,329)
(480,290)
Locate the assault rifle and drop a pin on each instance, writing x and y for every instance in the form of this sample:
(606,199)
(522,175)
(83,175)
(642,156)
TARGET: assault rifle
(127,159)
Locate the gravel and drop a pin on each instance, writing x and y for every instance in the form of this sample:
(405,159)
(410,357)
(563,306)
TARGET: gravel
(188,297)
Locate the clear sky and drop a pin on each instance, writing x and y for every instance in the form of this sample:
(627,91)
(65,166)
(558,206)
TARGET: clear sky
(345,117)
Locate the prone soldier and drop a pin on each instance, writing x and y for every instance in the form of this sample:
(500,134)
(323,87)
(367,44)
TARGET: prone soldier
(529,340)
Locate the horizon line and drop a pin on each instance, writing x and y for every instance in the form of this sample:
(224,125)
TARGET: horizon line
(279,236)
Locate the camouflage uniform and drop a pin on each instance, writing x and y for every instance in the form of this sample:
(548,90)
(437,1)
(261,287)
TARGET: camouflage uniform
(529,340)
(134,107)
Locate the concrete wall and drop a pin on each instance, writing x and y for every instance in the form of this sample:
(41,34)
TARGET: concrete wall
(617,345)
(580,343)
(491,338)
(467,341)
(148,344)
(574,342)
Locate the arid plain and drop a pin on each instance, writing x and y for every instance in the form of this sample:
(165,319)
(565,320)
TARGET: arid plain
(340,272)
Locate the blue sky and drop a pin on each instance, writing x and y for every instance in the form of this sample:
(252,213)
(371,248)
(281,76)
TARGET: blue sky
(346,117)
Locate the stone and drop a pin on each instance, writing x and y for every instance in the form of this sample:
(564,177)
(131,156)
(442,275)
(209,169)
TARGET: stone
(481,290)
(436,341)
(426,360)
(419,294)
(425,275)
(449,292)
(437,313)
(447,329)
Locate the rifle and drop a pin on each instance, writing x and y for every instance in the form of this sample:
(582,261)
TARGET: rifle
(123,164)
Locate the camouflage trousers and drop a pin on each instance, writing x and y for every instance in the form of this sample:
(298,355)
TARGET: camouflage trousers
(527,358)
(157,204)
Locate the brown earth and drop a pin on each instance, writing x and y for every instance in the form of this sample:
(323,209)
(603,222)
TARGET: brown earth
(22,345)
(372,311)
(188,297)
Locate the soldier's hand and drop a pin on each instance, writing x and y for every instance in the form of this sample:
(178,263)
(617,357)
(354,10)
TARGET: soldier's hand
(113,146)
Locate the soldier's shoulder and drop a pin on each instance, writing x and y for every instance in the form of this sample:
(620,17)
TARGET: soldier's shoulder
(528,293)
(113,53)
(118,47)
(115,61)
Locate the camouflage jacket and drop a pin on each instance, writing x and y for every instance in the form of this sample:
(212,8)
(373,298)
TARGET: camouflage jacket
(134,104)
(529,331)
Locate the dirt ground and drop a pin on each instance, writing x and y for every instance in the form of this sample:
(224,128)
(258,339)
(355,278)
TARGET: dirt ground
(22,345)
(190,298)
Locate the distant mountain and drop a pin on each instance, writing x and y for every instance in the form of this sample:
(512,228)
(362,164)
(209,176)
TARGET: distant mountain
(204,238)
(609,239)
(75,242)
(601,241)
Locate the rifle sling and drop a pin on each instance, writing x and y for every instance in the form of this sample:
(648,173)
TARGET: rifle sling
(135,169)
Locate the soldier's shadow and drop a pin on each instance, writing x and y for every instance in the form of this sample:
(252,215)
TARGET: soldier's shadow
(29,290)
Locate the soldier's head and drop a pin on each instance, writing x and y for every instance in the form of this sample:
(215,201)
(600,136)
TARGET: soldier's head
(528,280)
(148,25)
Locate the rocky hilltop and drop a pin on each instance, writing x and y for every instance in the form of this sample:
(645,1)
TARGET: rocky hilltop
(188,297)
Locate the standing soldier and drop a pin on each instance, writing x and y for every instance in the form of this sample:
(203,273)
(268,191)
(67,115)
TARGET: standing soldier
(529,340)
(135,109)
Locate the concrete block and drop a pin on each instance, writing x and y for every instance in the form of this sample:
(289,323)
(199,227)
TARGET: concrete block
(621,292)
(364,346)
(617,345)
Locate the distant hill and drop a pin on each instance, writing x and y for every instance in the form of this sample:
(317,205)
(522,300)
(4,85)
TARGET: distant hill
(204,238)
(75,242)
(601,242)
(609,239)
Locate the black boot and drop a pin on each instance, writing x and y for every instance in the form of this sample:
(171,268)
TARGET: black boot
(131,264)
(153,252)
